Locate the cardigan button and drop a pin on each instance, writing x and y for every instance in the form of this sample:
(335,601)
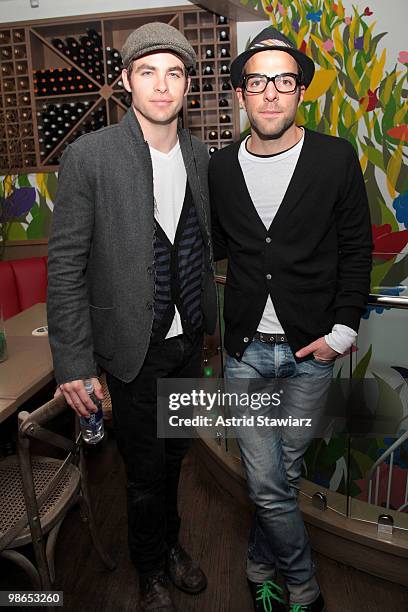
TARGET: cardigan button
(246,339)
(237,354)
(268,239)
(268,276)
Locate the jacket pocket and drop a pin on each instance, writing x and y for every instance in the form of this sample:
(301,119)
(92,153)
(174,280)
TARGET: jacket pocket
(102,320)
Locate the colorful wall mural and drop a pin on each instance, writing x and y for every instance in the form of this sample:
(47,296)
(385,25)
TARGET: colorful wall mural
(26,205)
(354,95)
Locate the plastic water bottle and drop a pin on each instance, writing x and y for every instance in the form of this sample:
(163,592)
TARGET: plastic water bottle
(92,427)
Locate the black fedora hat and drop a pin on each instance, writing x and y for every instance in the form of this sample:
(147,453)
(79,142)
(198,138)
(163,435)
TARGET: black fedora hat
(270,39)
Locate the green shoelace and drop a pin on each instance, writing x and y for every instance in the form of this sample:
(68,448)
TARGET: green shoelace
(266,594)
(298,608)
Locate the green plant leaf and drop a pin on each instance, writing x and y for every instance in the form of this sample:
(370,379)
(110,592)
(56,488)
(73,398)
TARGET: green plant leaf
(52,184)
(374,194)
(397,274)
(387,216)
(16,231)
(378,272)
(361,368)
(374,155)
(402,181)
(362,461)
(389,405)
(35,229)
(374,42)
(23,181)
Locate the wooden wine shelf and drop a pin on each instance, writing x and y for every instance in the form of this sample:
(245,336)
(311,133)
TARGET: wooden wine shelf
(26,49)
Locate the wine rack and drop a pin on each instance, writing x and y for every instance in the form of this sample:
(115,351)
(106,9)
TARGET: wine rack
(17,133)
(62,78)
(211,112)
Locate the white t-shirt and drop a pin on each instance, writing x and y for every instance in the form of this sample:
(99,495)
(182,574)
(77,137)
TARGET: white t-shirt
(267,179)
(169,187)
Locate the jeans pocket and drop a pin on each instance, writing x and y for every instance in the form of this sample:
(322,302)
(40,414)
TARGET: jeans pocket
(323,363)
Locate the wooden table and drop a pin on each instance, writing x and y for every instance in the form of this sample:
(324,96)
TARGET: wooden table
(29,364)
(24,322)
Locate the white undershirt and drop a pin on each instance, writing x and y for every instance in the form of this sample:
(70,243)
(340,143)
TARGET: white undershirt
(267,179)
(169,187)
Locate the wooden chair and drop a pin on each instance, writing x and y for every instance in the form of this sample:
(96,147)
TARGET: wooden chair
(106,402)
(37,492)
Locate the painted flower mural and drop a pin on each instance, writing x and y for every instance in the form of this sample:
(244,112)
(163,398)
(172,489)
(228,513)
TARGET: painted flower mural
(26,203)
(355,97)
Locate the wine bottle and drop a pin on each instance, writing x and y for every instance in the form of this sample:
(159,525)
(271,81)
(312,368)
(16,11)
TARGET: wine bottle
(195,87)
(207,86)
(224,69)
(207,70)
(72,42)
(23,84)
(212,150)
(18,36)
(19,52)
(226,86)
(224,35)
(58,44)
(4,37)
(224,52)
(194,103)
(226,135)
(6,70)
(213,135)
(86,42)
(222,20)
(93,35)
(225,118)
(209,54)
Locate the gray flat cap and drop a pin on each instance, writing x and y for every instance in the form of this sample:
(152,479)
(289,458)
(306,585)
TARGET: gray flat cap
(157,36)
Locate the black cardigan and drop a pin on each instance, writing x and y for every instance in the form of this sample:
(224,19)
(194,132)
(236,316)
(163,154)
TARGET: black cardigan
(314,260)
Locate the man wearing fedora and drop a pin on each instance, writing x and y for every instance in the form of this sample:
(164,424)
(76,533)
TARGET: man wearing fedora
(131,288)
(293,221)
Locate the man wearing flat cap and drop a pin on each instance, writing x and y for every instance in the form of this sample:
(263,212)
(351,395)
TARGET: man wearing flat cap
(131,288)
(293,221)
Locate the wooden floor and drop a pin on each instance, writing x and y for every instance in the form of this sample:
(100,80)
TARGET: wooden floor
(214,531)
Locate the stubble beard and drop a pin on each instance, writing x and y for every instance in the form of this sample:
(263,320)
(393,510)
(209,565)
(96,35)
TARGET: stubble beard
(274,132)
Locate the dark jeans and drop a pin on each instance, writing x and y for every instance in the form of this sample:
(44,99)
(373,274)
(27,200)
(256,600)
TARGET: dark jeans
(152,465)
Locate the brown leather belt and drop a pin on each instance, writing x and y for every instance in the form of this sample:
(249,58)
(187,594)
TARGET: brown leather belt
(272,338)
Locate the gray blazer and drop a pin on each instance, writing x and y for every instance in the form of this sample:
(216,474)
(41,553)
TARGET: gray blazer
(101,261)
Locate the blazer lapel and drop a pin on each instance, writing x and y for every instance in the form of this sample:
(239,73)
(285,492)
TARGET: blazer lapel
(193,178)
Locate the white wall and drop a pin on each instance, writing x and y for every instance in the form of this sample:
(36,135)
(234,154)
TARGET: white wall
(20,10)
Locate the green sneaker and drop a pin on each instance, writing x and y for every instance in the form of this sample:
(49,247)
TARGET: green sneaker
(267,596)
(317,605)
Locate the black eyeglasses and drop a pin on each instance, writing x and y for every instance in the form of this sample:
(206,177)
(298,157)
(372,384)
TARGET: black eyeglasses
(284,83)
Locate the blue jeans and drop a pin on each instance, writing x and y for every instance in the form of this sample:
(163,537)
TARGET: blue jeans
(273,463)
